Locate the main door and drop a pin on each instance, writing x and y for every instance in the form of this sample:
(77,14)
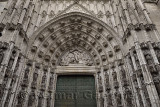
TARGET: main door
(75,91)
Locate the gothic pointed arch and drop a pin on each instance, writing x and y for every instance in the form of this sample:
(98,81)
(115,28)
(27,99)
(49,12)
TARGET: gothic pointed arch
(79,31)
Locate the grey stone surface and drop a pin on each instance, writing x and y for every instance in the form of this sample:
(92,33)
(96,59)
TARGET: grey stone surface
(117,41)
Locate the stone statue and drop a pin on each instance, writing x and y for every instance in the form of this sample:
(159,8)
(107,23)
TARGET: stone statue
(100,83)
(101,99)
(149,59)
(109,100)
(31,99)
(114,74)
(128,97)
(118,99)
(49,98)
(21,98)
(1,55)
(40,99)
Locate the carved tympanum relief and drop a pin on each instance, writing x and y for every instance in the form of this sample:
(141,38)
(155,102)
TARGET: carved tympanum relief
(76,56)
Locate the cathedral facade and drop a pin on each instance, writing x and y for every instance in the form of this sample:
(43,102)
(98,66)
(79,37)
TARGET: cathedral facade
(79,53)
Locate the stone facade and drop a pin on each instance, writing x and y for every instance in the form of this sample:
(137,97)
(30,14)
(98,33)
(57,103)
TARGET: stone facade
(117,41)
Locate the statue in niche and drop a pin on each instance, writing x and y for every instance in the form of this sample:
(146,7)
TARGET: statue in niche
(51,80)
(109,100)
(114,74)
(149,59)
(35,75)
(8,98)
(118,98)
(44,78)
(2,88)
(123,73)
(51,14)
(128,97)
(1,55)
(156,79)
(100,83)
(26,73)
(76,56)
(21,98)
(31,99)
(11,61)
(40,99)
(144,88)
(101,99)
(49,98)
(107,81)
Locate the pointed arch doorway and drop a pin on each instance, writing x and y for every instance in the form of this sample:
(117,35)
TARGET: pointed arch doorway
(76,44)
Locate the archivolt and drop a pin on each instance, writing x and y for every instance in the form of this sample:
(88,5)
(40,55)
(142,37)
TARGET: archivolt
(52,40)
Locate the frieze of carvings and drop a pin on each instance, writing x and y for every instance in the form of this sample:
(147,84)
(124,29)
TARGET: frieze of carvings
(76,56)
(75,19)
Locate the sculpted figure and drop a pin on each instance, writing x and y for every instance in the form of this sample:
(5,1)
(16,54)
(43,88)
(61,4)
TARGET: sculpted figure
(1,55)
(118,99)
(31,100)
(21,98)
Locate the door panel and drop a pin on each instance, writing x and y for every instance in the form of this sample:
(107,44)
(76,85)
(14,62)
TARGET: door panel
(75,91)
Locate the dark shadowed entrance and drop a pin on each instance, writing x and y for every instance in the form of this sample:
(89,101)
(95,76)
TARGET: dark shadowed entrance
(75,91)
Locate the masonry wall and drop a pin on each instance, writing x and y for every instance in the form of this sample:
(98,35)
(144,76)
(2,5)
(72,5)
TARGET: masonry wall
(154,10)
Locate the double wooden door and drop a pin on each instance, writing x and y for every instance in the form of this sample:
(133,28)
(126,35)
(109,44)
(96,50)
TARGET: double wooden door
(75,91)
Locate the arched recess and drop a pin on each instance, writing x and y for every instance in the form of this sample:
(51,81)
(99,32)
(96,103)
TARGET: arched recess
(71,32)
